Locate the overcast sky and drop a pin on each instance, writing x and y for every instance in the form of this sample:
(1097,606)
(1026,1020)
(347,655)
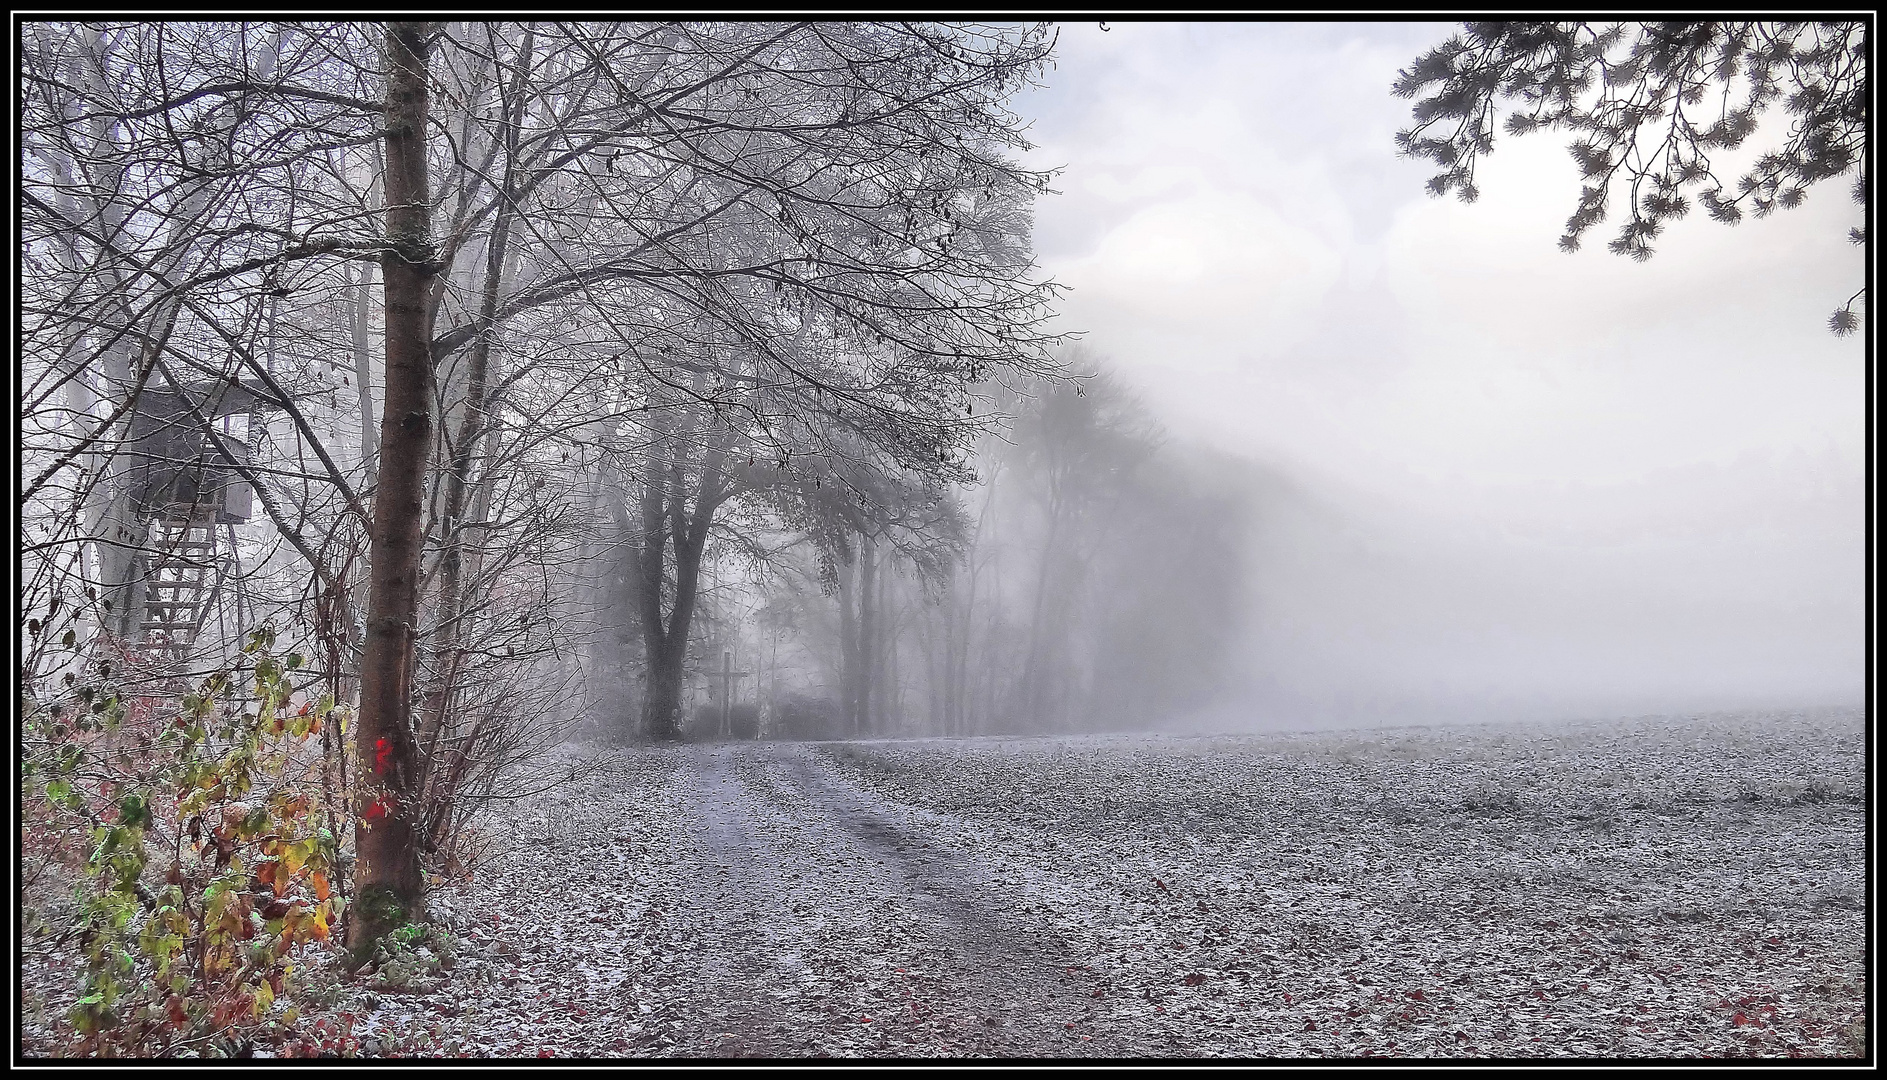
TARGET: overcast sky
(1499,478)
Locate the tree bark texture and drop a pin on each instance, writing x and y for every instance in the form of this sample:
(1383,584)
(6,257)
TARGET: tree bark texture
(387,873)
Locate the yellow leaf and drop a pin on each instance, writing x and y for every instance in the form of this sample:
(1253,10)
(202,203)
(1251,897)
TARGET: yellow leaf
(297,854)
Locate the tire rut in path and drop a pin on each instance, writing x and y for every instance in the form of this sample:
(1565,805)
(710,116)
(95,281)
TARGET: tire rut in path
(808,904)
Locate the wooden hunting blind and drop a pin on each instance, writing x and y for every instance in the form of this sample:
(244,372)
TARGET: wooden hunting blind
(178,473)
(186,484)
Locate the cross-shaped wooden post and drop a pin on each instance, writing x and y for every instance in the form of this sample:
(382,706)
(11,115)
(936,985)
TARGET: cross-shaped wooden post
(728,675)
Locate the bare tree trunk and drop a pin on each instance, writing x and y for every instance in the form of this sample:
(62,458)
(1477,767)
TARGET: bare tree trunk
(109,516)
(962,698)
(990,655)
(1033,693)
(360,328)
(387,873)
(668,522)
(951,700)
(867,632)
(668,647)
(890,690)
(935,621)
(848,647)
(662,698)
(359,325)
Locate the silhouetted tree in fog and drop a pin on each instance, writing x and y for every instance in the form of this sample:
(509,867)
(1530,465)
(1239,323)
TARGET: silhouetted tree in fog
(845,257)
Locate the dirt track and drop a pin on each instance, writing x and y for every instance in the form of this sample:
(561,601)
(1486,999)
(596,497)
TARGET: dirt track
(813,883)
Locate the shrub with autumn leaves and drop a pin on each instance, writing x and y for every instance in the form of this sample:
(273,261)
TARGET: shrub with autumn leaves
(202,823)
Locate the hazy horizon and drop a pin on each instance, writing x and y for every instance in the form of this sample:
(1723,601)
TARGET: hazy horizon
(1493,478)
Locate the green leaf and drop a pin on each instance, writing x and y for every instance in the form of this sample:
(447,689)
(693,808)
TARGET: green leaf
(133,811)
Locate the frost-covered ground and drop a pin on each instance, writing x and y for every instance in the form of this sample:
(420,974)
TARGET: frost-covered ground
(1661,887)
(1637,888)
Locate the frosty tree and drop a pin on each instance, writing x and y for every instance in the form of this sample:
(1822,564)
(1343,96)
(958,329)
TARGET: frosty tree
(1649,104)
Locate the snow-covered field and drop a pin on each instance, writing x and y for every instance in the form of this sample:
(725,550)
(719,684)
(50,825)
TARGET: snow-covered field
(1662,887)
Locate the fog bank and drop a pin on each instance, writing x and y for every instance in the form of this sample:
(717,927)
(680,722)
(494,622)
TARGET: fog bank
(1744,593)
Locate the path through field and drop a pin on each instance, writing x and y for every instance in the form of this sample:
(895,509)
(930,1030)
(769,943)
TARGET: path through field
(828,914)
(1663,888)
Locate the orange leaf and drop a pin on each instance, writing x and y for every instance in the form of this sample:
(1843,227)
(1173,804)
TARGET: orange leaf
(320,885)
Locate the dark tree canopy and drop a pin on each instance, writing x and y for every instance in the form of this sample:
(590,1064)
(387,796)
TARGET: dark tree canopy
(1648,104)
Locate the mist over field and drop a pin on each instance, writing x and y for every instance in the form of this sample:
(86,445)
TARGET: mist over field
(1743,595)
(1489,479)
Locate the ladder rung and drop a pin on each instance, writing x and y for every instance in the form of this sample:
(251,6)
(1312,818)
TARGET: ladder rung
(182,568)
